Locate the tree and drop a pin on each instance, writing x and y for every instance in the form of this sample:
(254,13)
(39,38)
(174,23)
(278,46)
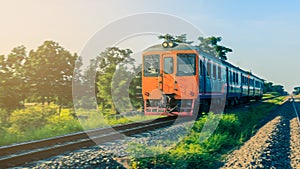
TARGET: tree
(279,89)
(270,87)
(179,39)
(296,90)
(210,45)
(12,79)
(107,63)
(50,72)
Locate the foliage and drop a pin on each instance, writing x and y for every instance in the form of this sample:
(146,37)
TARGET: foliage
(179,39)
(115,69)
(234,128)
(38,122)
(270,87)
(12,79)
(4,117)
(210,45)
(296,90)
(50,70)
(30,119)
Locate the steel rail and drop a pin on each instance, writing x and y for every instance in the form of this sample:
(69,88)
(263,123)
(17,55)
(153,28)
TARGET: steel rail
(295,109)
(23,153)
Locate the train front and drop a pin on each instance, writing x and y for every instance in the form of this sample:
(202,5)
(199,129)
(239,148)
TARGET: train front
(170,79)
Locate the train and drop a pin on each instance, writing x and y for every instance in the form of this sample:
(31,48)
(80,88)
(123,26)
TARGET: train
(180,79)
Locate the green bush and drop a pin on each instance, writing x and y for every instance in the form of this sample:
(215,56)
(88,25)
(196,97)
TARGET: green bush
(30,119)
(4,118)
(230,124)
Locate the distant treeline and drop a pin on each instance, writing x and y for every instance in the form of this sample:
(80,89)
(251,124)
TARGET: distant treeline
(45,76)
(270,87)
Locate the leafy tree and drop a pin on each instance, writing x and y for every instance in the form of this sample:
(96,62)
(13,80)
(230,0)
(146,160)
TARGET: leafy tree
(270,87)
(167,37)
(296,90)
(50,71)
(12,79)
(107,63)
(210,45)
(79,83)
(179,39)
(87,86)
(279,89)
(182,39)
(135,93)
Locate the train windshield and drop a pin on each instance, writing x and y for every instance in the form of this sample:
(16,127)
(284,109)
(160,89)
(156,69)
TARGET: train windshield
(151,65)
(186,64)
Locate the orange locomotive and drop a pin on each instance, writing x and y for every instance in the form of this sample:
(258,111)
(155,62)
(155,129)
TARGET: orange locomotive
(170,79)
(176,78)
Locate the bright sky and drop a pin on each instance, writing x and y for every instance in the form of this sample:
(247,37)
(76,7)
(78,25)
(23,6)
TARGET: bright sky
(263,34)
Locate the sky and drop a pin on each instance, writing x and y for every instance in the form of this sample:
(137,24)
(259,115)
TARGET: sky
(264,35)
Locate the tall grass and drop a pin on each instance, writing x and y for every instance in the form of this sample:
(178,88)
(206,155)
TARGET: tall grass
(39,122)
(234,129)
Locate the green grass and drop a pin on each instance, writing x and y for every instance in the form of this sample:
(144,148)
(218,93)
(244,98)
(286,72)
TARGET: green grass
(39,122)
(270,94)
(93,119)
(233,130)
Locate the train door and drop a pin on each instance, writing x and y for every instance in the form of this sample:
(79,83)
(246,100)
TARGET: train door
(227,82)
(208,85)
(202,78)
(168,74)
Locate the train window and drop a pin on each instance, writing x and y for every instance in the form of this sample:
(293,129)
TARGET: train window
(237,78)
(151,65)
(201,68)
(186,64)
(233,77)
(214,71)
(219,73)
(208,68)
(230,73)
(168,65)
(242,79)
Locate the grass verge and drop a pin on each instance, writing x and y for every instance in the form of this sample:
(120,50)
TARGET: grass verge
(40,122)
(233,130)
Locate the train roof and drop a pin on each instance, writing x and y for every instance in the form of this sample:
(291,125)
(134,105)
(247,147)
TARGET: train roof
(177,46)
(238,68)
(184,46)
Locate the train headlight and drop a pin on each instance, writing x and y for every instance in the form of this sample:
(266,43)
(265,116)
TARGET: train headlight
(170,44)
(165,44)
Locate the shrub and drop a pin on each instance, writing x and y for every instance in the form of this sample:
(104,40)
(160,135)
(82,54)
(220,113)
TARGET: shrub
(29,119)
(230,124)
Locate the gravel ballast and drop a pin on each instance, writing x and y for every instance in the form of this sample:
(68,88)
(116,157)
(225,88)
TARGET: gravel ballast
(110,154)
(275,145)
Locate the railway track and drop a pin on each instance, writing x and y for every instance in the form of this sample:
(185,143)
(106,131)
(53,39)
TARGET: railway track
(19,154)
(275,145)
(296,108)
